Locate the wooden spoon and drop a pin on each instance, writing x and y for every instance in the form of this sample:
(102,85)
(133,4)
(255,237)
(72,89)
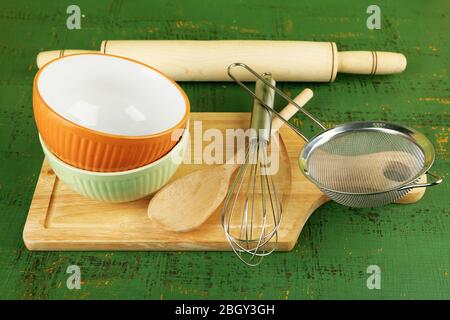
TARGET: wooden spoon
(187,202)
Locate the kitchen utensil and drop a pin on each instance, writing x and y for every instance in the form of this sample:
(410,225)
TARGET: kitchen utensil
(368,164)
(360,164)
(120,186)
(198,200)
(252,210)
(186,60)
(106,113)
(61,219)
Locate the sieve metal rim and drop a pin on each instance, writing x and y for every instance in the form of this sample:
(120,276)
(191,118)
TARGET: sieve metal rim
(416,137)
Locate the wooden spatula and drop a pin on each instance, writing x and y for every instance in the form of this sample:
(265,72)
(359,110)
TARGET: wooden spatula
(200,193)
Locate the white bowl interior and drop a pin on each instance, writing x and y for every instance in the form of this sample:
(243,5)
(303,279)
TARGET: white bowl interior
(111,95)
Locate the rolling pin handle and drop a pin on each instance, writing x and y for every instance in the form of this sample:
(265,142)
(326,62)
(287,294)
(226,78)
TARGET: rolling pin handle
(47,56)
(371,62)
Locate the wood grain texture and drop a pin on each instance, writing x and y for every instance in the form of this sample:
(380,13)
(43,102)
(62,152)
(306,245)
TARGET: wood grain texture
(410,243)
(198,198)
(208,60)
(60,219)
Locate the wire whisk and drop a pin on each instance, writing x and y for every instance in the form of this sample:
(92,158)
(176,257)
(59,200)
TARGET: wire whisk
(252,211)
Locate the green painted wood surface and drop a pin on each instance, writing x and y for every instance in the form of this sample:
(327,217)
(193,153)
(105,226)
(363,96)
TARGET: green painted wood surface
(410,243)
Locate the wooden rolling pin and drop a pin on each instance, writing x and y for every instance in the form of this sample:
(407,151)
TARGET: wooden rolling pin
(186,60)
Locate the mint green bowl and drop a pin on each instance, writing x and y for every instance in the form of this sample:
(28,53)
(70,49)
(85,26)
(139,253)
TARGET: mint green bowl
(120,186)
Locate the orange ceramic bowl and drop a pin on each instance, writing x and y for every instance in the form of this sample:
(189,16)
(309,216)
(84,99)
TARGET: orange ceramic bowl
(107,113)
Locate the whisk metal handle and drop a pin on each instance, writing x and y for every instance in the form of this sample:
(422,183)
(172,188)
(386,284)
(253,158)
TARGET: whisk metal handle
(261,121)
(436,180)
(281,93)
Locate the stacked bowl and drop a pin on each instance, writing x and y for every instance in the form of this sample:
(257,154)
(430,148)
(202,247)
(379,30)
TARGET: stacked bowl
(112,128)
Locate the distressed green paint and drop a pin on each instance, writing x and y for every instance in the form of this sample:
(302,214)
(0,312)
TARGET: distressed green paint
(410,243)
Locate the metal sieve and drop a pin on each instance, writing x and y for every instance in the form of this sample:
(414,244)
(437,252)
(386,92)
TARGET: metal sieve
(367,164)
(360,164)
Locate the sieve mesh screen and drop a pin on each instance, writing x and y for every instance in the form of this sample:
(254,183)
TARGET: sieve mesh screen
(365,161)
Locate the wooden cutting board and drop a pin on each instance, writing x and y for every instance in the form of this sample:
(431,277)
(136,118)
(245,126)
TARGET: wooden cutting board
(60,219)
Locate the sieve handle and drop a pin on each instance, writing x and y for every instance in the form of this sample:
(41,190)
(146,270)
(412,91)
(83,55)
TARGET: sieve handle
(436,180)
(281,93)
